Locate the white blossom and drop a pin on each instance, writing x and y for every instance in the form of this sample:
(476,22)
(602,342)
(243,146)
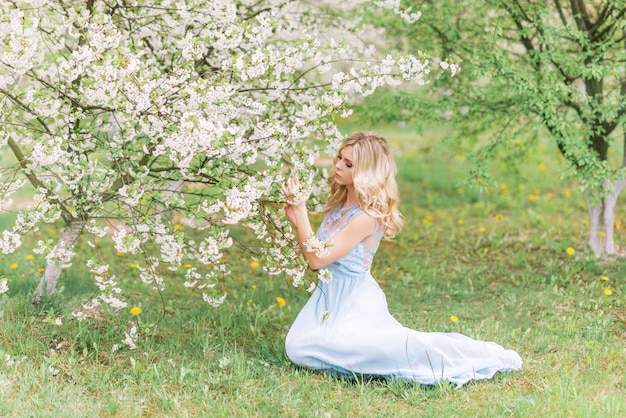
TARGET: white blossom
(320,248)
(406,14)
(179,108)
(454,68)
(10,242)
(215,302)
(131,337)
(311,287)
(325,275)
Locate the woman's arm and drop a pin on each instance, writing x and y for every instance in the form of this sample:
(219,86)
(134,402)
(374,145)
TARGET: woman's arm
(342,243)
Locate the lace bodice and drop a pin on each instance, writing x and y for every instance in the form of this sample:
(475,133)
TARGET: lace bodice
(360,258)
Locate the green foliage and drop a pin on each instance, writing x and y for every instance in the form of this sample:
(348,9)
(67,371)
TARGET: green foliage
(504,272)
(529,70)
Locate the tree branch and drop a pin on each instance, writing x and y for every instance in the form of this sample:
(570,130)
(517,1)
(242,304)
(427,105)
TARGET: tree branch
(559,8)
(600,35)
(581,17)
(27,109)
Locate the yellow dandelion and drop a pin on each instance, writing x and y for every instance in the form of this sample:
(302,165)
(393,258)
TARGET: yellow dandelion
(498,217)
(30,257)
(503,186)
(254,264)
(617,224)
(178,217)
(482,229)
(605,278)
(585,222)
(460,222)
(505,192)
(281,301)
(119,253)
(13,266)
(533,197)
(568,193)
(485,250)
(40,270)
(550,195)
(601,233)
(570,251)
(254,286)
(71,210)
(249,300)
(135,310)
(454,318)
(608,292)
(134,266)
(178,227)
(187,266)
(517,141)
(50,231)
(542,167)
(537,192)
(409,154)
(459,190)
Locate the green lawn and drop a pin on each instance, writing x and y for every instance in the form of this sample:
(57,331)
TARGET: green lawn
(497,261)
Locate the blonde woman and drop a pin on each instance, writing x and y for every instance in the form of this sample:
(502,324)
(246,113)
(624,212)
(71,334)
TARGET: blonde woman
(345,328)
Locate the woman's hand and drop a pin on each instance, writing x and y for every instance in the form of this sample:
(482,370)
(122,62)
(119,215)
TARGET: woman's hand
(291,215)
(291,189)
(295,195)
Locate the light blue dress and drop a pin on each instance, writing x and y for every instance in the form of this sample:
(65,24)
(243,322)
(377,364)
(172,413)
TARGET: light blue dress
(346,329)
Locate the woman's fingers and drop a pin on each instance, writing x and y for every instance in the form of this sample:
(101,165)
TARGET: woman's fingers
(292,183)
(286,189)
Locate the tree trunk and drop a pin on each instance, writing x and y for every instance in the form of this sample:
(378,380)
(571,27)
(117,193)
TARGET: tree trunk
(57,261)
(602,219)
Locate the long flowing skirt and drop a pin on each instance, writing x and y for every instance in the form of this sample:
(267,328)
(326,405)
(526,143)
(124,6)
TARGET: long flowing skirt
(346,329)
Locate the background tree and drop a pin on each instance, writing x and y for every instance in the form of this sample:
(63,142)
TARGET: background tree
(531,69)
(136,121)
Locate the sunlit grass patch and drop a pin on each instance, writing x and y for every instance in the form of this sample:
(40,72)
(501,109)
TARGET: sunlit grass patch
(502,274)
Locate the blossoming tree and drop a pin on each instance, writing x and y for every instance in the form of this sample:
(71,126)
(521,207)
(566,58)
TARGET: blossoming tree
(137,121)
(531,69)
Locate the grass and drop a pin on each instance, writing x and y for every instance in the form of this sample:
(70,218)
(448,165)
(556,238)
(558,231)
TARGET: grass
(496,260)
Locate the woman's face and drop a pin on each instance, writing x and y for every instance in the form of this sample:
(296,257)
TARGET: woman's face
(343,166)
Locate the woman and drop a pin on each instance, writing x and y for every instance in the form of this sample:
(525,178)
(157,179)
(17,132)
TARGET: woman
(345,328)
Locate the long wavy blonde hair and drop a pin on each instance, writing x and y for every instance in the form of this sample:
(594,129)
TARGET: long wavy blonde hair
(373,173)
